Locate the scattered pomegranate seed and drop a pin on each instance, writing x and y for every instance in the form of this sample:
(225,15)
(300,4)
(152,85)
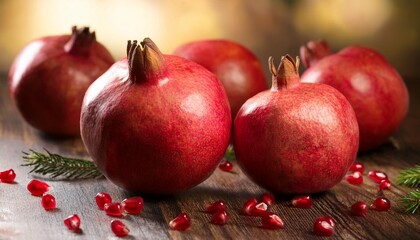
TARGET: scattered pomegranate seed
(272,221)
(356,178)
(119,228)
(385,185)
(259,210)
(133,205)
(268,198)
(359,209)
(181,222)
(48,201)
(8,176)
(37,188)
(249,205)
(304,201)
(377,176)
(324,226)
(357,167)
(72,222)
(215,207)
(113,209)
(226,166)
(381,204)
(101,198)
(220,218)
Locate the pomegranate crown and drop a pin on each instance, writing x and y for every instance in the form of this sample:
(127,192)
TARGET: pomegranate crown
(80,41)
(286,75)
(314,51)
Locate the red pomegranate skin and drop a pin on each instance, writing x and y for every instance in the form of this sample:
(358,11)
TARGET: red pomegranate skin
(159,134)
(47,81)
(239,70)
(296,138)
(373,87)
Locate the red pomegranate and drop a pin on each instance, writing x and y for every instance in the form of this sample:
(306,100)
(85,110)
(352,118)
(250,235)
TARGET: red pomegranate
(50,76)
(156,123)
(373,87)
(297,137)
(239,70)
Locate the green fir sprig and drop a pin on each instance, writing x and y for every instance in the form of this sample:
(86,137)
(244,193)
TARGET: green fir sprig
(410,177)
(230,154)
(54,165)
(411,202)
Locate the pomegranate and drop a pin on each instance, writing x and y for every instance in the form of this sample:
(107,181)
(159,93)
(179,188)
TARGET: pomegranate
(373,87)
(239,70)
(297,137)
(272,221)
(156,123)
(49,78)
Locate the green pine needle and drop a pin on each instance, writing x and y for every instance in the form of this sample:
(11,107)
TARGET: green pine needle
(230,154)
(412,201)
(410,177)
(54,165)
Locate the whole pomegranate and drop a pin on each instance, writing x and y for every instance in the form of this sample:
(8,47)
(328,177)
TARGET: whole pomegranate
(156,123)
(239,70)
(49,77)
(373,87)
(297,137)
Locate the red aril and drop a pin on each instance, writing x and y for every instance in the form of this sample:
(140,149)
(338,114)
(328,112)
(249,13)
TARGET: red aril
(220,218)
(239,70)
(226,166)
(385,184)
(154,119)
(113,209)
(48,202)
(119,228)
(7,176)
(303,201)
(324,226)
(381,204)
(359,208)
(37,187)
(50,76)
(272,221)
(355,178)
(101,198)
(260,209)
(218,206)
(377,176)
(249,205)
(133,205)
(280,133)
(181,223)
(268,198)
(72,222)
(373,87)
(357,167)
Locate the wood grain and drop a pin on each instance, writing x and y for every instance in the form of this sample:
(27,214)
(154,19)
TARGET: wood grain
(22,216)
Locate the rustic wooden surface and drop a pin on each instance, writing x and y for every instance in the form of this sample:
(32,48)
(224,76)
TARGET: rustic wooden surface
(22,216)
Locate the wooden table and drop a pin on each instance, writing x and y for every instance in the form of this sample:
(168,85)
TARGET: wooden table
(22,216)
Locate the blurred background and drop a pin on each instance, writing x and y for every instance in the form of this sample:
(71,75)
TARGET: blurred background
(267,27)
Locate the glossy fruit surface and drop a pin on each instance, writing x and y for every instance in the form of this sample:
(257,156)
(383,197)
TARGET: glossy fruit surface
(72,222)
(101,198)
(381,204)
(48,202)
(272,221)
(218,206)
(359,208)
(7,176)
(181,222)
(377,176)
(355,178)
(324,226)
(220,218)
(119,228)
(37,187)
(113,209)
(133,205)
(302,201)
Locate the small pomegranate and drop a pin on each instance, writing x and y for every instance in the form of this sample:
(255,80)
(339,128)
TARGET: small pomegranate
(381,204)
(48,202)
(101,198)
(359,208)
(377,176)
(217,206)
(181,223)
(133,205)
(373,87)
(154,119)
(249,205)
(113,209)
(303,201)
(324,226)
(357,167)
(72,222)
(7,176)
(37,187)
(355,178)
(239,70)
(272,221)
(297,137)
(220,218)
(268,198)
(50,76)
(119,228)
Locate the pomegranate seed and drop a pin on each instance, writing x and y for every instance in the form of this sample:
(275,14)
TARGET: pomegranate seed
(381,204)
(272,221)
(268,198)
(356,178)
(357,167)
(304,201)
(119,228)
(385,185)
(48,201)
(324,226)
(259,210)
(181,222)
(377,176)
(102,198)
(133,205)
(226,166)
(37,188)
(72,222)
(215,207)
(113,209)
(7,176)
(220,218)
(249,205)
(359,209)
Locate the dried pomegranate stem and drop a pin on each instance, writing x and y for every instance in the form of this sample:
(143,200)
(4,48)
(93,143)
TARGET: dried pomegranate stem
(80,41)
(286,75)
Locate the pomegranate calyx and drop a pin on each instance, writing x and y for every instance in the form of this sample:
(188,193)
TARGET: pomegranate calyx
(80,41)
(286,75)
(145,61)
(314,51)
